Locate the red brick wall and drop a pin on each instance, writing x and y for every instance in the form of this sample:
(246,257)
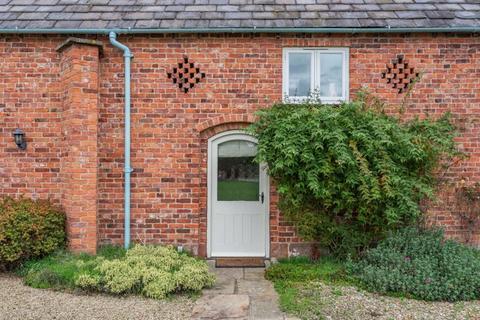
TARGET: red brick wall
(30,100)
(243,74)
(46,94)
(79,82)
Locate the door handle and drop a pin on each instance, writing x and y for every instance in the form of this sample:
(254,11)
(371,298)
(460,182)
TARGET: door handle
(262,197)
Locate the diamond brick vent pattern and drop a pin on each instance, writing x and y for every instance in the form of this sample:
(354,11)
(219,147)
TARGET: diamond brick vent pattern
(399,73)
(185,75)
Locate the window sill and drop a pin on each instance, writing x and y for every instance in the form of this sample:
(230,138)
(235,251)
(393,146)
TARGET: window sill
(300,100)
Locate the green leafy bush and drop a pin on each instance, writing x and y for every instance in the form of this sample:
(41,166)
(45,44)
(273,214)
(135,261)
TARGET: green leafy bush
(29,229)
(149,270)
(303,269)
(421,264)
(61,269)
(297,279)
(152,271)
(348,174)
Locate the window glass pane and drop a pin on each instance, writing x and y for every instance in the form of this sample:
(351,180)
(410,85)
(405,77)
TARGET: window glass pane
(299,68)
(237,176)
(331,75)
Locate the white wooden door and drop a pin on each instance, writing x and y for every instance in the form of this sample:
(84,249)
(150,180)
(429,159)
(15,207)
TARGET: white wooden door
(238,198)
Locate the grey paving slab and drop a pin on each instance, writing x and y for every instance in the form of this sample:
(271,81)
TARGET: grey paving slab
(261,309)
(222,306)
(254,274)
(227,298)
(256,288)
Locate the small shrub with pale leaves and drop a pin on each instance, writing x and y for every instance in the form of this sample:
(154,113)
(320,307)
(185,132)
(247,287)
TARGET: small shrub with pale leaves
(159,283)
(88,281)
(153,271)
(193,275)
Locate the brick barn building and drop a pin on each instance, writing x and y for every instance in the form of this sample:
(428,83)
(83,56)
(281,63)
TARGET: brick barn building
(199,71)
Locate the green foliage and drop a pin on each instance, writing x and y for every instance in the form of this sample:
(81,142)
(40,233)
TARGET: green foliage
(348,174)
(29,229)
(468,208)
(152,271)
(111,252)
(303,269)
(149,270)
(88,281)
(294,276)
(421,264)
(62,269)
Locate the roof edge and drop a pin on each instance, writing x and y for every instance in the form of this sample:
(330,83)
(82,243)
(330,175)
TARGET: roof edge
(244,30)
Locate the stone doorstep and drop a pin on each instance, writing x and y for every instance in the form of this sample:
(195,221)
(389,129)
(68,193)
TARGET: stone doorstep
(222,306)
(226,300)
(268,262)
(236,307)
(243,262)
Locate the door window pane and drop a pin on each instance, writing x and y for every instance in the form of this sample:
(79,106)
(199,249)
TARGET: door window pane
(299,74)
(331,75)
(237,176)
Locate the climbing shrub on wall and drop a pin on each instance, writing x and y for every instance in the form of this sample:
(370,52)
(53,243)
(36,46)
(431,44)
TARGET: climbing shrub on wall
(348,174)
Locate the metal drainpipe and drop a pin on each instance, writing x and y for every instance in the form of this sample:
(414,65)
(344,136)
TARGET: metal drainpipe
(127,168)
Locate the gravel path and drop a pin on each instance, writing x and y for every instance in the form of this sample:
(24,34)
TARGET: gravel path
(18,301)
(344,303)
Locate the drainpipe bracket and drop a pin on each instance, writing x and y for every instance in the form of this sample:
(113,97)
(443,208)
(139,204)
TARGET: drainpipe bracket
(128,169)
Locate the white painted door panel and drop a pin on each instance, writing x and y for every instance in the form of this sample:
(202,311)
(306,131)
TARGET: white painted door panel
(238,212)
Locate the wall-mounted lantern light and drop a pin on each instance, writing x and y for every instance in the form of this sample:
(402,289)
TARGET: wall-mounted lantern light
(19,137)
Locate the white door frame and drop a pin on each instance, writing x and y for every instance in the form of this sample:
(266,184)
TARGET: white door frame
(247,137)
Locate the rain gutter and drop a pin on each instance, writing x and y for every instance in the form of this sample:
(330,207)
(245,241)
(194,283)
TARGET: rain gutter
(244,30)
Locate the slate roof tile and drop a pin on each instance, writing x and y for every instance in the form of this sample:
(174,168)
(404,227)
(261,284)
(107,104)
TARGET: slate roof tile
(50,8)
(411,14)
(147,24)
(212,15)
(227,8)
(175,8)
(169,14)
(164,15)
(94,24)
(440,14)
(189,15)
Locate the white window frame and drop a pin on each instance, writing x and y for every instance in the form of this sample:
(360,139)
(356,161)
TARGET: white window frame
(316,71)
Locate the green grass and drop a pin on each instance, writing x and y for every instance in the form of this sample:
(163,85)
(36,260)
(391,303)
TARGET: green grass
(61,269)
(298,283)
(237,190)
(292,278)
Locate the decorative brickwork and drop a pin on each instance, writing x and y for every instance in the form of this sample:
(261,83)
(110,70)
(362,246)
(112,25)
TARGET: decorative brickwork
(170,128)
(225,119)
(185,75)
(400,74)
